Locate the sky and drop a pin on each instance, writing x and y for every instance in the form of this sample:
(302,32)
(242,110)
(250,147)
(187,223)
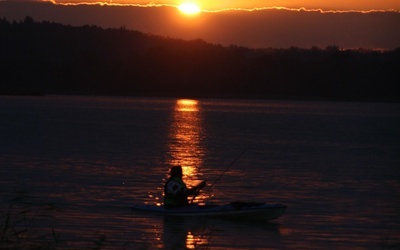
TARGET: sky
(369,24)
(212,5)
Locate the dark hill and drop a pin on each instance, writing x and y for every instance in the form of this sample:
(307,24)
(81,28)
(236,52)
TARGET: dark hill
(52,58)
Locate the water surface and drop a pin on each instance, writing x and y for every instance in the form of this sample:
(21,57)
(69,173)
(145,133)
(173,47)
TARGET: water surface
(78,163)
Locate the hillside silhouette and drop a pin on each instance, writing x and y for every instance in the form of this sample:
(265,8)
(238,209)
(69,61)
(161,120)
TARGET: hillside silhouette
(51,58)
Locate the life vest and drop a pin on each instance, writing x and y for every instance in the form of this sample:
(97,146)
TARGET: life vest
(175,193)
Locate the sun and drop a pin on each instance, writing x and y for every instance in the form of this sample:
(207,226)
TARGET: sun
(189,8)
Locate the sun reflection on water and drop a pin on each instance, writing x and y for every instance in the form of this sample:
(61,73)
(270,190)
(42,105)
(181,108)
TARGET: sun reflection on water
(187,105)
(186,148)
(194,240)
(186,134)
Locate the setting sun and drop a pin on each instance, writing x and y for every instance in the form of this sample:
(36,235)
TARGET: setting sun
(189,8)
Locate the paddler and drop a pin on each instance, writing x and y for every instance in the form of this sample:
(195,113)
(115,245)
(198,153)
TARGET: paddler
(175,190)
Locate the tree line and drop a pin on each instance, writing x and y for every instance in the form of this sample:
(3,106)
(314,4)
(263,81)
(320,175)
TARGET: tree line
(51,58)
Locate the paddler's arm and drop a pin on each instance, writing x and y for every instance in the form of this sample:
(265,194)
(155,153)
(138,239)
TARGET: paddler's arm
(196,188)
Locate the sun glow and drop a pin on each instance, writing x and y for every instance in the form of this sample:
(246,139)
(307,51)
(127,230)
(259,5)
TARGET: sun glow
(189,8)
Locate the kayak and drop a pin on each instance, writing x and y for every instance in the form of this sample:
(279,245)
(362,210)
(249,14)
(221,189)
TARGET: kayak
(235,210)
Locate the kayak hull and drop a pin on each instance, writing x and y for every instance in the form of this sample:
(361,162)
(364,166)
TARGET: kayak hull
(234,210)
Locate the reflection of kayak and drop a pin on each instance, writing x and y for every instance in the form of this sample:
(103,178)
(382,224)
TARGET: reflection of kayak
(233,210)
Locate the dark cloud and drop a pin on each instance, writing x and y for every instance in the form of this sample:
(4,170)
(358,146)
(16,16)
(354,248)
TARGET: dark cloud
(263,28)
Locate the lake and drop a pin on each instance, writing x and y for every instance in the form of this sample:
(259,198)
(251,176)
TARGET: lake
(71,167)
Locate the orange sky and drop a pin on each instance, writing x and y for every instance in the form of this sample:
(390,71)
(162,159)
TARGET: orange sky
(212,5)
(280,27)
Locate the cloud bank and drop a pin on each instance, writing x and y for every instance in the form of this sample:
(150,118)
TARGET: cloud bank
(209,5)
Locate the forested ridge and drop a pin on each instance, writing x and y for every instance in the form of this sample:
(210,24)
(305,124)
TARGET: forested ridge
(51,58)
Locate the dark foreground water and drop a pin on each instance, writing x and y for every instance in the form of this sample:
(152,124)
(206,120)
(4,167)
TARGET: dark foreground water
(72,166)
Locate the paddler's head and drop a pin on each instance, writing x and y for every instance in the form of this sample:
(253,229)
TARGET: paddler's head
(176,171)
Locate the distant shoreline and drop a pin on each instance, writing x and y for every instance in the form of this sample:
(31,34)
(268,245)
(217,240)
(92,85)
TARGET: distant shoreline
(198,97)
(40,58)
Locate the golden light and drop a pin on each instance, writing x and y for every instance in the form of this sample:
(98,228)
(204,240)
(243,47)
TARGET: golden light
(194,241)
(189,8)
(186,141)
(187,105)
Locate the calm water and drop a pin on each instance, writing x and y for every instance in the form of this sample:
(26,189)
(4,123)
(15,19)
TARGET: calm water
(78,163)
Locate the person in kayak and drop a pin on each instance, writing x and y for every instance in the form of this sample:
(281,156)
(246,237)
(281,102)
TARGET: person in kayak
(175,191)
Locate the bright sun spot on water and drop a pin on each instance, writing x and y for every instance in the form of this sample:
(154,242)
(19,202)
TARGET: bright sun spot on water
(189,8)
